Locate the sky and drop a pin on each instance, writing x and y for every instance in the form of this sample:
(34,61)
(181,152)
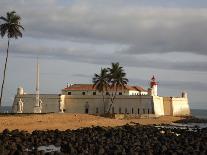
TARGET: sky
(73,39)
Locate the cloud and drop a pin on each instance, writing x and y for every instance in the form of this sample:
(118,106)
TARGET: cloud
(96,55)
(98,32)
(177,85)
(143,28)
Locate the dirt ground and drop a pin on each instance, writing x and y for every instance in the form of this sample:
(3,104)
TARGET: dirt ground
(70,121)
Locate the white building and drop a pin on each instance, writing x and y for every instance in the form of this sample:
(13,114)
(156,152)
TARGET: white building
(83,98)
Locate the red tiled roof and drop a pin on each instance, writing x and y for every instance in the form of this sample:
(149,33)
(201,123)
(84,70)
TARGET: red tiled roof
(89,87)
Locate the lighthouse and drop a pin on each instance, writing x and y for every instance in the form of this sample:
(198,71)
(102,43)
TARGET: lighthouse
(153,86)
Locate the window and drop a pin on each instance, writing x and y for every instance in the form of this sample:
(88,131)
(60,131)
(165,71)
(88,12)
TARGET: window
(120,110)
(69,93)
(148,111)
(138,111)
(132,110)
(120,93)
(107,93)
(86,110)
(94,93)
(112,110)
(143,111)
(83,93)
(97,110)
(125,110)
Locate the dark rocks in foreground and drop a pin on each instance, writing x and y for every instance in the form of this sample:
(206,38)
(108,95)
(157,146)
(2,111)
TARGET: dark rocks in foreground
(122,140)
(192,119)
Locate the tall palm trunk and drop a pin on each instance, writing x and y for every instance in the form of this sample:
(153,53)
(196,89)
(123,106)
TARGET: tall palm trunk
(112,99)
(103,102)
(4,74)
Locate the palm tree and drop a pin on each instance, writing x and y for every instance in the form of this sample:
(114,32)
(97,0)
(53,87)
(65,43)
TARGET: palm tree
(100,82)
(117,79)
(11,26)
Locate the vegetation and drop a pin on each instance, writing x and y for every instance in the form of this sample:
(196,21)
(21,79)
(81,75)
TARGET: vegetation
(12,28)
(110,80)
(100,82)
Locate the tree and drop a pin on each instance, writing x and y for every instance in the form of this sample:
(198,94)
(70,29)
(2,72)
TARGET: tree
(11,26)
(117,79)
(100,82)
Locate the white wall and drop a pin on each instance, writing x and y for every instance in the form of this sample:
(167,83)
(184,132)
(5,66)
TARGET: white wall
(180,106)
(77,104)
(50,103)
(158,105)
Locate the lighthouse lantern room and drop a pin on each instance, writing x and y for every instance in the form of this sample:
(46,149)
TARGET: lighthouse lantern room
(153,86)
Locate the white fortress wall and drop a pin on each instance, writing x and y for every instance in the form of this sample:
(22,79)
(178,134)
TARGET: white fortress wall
(158,105)
(79,103)
(122,104)
(180,106)
(133,105)
(50,103)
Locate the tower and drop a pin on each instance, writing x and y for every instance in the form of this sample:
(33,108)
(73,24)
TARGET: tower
(38,102)
(153,86)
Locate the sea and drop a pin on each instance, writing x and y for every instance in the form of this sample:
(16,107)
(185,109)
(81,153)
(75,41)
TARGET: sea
(199,113)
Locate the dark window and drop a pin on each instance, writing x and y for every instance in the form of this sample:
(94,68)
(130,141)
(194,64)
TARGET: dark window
(125,110)
(138,110)
(132,110)
(94,93)
(86,110)
(83,93)
(143,111)
(112,110)
(148,111)
(120,93)
(120,110)
(96,110)
(69,93)
(107,93)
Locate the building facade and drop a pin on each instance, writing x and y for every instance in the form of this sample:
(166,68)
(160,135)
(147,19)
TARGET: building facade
(84,98)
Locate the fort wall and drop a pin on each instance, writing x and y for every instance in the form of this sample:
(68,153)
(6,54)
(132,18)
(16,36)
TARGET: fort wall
(180,106)
(50,103)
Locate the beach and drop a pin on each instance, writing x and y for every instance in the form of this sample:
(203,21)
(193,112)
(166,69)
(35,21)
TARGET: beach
(61,134)
(31,122)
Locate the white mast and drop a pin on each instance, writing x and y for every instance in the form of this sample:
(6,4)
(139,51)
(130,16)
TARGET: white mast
(38,106)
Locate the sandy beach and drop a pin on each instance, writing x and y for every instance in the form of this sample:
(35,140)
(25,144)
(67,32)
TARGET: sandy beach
(70,121)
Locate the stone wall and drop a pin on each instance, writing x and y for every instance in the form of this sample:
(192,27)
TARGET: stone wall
(50,103)
(122,104)
(180,106)
(158,105)
(167,103)
(93,104)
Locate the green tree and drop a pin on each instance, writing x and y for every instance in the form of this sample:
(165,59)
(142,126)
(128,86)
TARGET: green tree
(12,27)
(117,80)
(100,82)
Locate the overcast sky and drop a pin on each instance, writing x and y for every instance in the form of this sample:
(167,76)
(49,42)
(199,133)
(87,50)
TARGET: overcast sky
(75,38)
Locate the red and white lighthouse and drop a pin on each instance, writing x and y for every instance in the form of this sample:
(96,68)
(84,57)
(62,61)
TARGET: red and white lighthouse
(153,86)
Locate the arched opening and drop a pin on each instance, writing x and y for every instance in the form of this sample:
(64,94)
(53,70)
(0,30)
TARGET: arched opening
(112,110)
(125,110)
(120,110)
(86,108)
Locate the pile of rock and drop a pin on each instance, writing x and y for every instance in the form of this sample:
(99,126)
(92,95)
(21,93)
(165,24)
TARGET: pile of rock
(192,120)
(128,139)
